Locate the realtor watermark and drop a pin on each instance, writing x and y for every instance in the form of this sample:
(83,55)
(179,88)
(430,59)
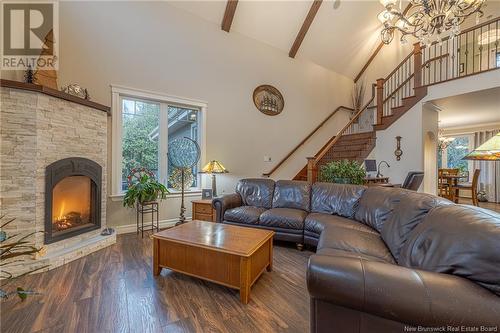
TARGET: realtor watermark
(30,35)
(451,328)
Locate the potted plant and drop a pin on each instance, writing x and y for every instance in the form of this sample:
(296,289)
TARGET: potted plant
(342,172)
(146,189)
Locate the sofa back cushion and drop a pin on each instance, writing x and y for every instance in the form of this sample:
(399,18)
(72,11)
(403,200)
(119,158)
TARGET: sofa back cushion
(339,199)
(407,214)
(256,192)
(376,205)
(292,194)
(458,240)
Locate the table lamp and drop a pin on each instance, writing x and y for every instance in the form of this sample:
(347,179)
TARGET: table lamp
(488,151)
(214,167)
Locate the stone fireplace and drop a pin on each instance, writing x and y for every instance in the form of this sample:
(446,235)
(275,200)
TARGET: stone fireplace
(53,165)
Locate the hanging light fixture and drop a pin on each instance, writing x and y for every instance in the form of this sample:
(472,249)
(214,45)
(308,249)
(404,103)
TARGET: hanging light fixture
(488,151)
(426,19)
(443,141)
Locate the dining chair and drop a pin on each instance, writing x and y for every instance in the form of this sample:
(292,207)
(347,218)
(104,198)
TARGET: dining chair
(413,180)
(471,186)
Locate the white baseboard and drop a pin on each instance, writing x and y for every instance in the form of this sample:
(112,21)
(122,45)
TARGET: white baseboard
(128,228)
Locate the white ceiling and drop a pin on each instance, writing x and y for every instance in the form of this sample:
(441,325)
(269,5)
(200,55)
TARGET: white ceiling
(468,110)
(341,38)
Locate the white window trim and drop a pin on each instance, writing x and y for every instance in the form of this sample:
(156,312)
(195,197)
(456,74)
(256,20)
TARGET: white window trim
(118,92)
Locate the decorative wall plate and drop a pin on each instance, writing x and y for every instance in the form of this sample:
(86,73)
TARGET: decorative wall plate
(268,100)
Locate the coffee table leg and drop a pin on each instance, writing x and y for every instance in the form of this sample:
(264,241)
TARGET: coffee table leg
(270,265)
(244,280)
(156,252)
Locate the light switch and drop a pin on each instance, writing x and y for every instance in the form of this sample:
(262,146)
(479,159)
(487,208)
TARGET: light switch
(267,158)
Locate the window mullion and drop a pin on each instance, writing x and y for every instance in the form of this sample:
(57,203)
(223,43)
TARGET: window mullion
(163,144)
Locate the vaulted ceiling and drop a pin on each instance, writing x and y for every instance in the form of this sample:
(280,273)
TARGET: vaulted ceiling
(342,35)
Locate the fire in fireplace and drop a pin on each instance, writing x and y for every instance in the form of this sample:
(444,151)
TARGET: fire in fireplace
(71,203)
(72,198)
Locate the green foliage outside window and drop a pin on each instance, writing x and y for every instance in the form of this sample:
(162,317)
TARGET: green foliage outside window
(139,148)
(457,149)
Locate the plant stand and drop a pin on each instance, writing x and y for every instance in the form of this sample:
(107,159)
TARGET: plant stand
(146,208)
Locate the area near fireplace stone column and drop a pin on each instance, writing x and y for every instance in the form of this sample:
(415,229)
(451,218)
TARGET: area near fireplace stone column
(41,128)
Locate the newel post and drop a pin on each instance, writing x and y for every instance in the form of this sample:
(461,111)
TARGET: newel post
(417,64)
(311,164)
(380,100)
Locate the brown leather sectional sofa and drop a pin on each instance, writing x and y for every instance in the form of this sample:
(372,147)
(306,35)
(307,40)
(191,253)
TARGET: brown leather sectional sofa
(387,260)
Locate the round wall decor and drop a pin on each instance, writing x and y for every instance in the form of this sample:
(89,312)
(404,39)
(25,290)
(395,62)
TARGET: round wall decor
(268,100)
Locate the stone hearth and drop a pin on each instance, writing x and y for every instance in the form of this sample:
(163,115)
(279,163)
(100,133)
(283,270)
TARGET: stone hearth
(39,127)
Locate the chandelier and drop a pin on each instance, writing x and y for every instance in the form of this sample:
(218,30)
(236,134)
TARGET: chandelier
(426,18)
(443,141)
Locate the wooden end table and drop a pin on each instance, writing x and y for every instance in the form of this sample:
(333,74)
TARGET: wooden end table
(229,255)
(203,210)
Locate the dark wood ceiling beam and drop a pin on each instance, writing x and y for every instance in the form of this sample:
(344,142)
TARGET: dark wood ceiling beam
(227,20)
(305,26)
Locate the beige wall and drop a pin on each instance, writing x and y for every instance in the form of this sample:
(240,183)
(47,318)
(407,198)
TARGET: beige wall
(155,46)
(385,61)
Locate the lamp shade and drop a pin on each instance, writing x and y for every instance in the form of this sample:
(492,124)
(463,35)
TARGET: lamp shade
(214,167)
(488,151)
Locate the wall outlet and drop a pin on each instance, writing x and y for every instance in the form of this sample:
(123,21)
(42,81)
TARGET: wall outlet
(267,159)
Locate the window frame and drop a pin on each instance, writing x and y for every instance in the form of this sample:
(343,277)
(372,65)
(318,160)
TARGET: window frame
(118,93)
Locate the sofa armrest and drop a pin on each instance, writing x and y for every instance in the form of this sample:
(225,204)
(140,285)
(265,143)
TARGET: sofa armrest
(405,295)
(224,203)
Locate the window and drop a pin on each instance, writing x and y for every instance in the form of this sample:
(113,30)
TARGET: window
(451,157)
(498,59)
(143,126)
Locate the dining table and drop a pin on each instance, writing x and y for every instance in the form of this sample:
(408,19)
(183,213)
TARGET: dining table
(452,182)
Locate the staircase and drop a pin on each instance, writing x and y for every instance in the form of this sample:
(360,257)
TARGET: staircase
(349,147)
(397,93)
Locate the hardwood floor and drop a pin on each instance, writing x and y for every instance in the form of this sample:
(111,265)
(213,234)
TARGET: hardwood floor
(113,290)
(487,205)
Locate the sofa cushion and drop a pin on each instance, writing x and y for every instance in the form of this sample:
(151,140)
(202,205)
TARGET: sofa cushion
(337,199)
(326,251)
(376,205)
(458,240)
(256,192)
(317,222)
(244,214)
(292,194)
(410,211)
(361,242)
(283,218)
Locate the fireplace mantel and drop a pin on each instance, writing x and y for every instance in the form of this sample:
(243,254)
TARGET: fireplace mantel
(54,93)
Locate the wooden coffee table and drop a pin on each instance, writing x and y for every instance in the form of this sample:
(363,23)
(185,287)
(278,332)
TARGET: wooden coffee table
(225,254)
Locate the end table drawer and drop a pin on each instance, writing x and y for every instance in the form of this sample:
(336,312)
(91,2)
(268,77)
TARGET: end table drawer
(203,217)
(204,209)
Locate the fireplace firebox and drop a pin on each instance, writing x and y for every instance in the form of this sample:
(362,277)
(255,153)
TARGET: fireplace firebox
(72,198)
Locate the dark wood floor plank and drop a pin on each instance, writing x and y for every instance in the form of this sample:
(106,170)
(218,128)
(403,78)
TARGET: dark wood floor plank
(113,290)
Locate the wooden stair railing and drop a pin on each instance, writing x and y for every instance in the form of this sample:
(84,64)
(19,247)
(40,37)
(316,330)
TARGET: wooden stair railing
(284,159)
(312,161)
(438,62)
